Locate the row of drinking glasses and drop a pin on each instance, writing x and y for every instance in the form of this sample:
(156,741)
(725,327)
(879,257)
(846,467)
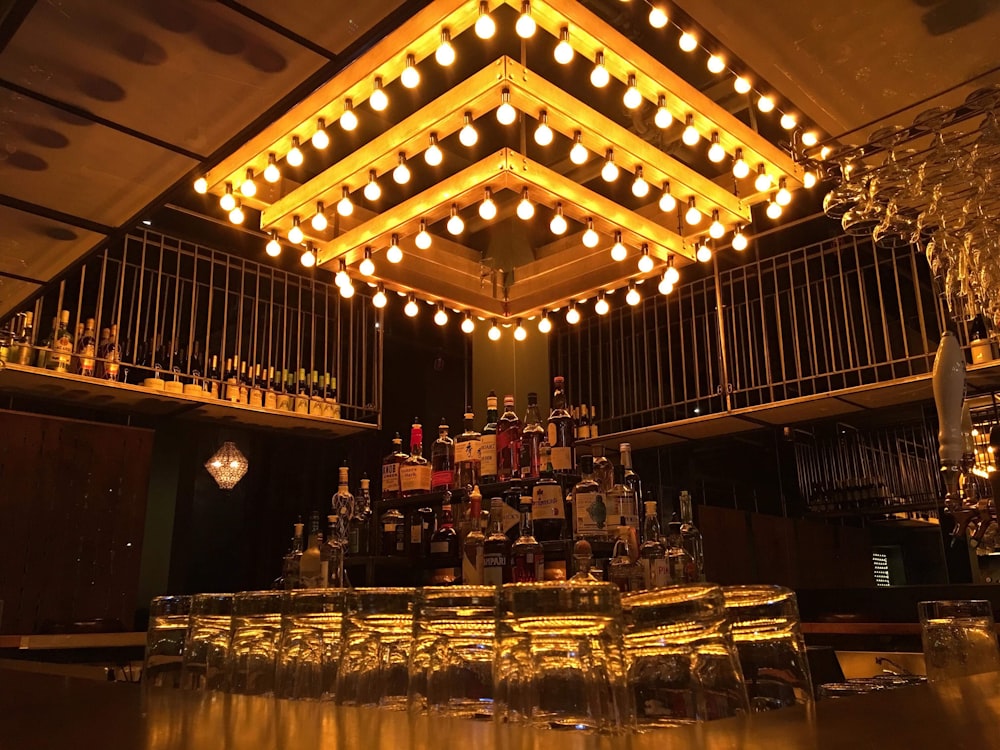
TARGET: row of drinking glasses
(559,655)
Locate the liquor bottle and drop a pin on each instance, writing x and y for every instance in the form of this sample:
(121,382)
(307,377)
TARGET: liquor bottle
(423,524)
(442,460)
(112,355)
(391,465)
(302,394)
(60,357)
(282,396)
(332,554)
(527,558)
(593,421)
(102,347)
(77,335)
(256,398)
(391,520)
(531,441)
(508,442)
(488,465)
(560,430)
(270,390)
(232,390)
(583,562)
(691,538)
(548,508)
(22,341)
(472,546)
(623,506)
(310,566)
(197,366)
(980,345)
(244,384)
(415,473)
(583,425)
(343,501)
(316,395)
(496,548)
(604,470)
(652,553)
(590,514)
(324,406)
(359,526)
(468,454)
(624,570)
(290,563)
(211,383)
(631,480)
(45,354)
(331,397)
(444,549)
(679,561)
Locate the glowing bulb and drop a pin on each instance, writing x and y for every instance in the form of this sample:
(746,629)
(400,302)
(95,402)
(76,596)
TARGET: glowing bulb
(809,179)
(716,230)
(773,209)
(488,208)
(228,201)
(412,308)
(445,53)
(380,300)
(739,240)
(645,260)
(783,197)
(348,120)
(572,315)
(410,77)
(609,172)
(506,114)
(395,253)
(599,76)
(662,119)
(340,278)
(690,136)
(704,253)
(236,216)
(788,122)
(672,275)
(618,251)
(741,170)
(809,138)
(433,155)
(763,180)
(519,333)
(441,317)
(667,201)
(602,307)
(318,221)
(715,64)
(544,324)
(468,324)
(344,206)
(716,152)
(485,27)
(563,52)
(367,266)
(741,85)
(590,237)
(640,188)
(347,290)
(578,154)
(525,26)
(693,215)
(688,42)
(494,332)
(824,152)
(525,208)
(294,156)
(295,235)
(633,97)
(201,186)
(765,103)
(423,238)
(320,138)
(273,247)
(372,190)
(455,224)
(657,18)
(378,100)
(665,287)
(308,258)
(271,171)
(401,174)
(558,225)
(543,133)
(468,135)
(633,297)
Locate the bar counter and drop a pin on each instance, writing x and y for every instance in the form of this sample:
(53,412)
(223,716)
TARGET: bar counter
(41,711)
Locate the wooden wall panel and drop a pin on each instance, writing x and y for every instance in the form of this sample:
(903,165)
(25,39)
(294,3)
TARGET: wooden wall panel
(774,549)
(73,504)
(728,554)
(816,555)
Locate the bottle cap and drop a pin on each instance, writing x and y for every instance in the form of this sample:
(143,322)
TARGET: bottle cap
(559,381)
(582,549)
(587,464)
(622,447)
(469,414)
(475,492)
(298,528)
(532,398)
(650,507)
(491,401)
(508,400)
(365,483)
(397,439)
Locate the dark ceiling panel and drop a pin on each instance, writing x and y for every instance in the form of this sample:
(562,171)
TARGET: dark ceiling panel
(333,26)
(13,293)
(63,162)
(188,73)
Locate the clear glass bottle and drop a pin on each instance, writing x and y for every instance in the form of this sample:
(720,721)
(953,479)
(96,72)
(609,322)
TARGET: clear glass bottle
(332,553)
(23,341)
(631,479)
(561,438)
(444,557)
(488,467)
(604,470)
(548,508)
(583,424)
(527,558)
(391,465)
(310,564)
(508,442)
(472,547)
(61,355)
(496,548)
(442,460)
(679,562)
(583,562)
(590,513)
(532,436)
(623,507)
(343,501)
(691,538)
(415,473)
(112,356)
(468,453)
(290,562)
(624,570)
(359,527)
(652,553)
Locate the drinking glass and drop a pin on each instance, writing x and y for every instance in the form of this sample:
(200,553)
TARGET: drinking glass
(451,663)
(309,647)
(253,649)
(168,624)
(959,638)
(375,654)
(765,626)
(207,644)
(559,657)
(681,660)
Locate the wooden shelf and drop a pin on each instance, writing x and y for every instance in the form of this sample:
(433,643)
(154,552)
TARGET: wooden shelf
(135,399)
(488,491)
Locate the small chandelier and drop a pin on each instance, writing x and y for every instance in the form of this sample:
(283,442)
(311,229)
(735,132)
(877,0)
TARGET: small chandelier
(227,466)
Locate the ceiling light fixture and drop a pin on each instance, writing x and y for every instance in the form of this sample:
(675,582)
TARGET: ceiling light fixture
(412,308)
(563,52)
(662,119)
(468,135)
(632,297)
(318,221)
(739,242)
(347,290)
(543,133)
(348,120)
(488,208)
(410,77)
(441,317)
(271,171)
(690,136)
(228,201)
(783,197)
(618,251)
(320,139)
(273,247)
(372,190)
(201,185)
(433,155)
(688,42)
(519,333)
(716,64)
(340,278)
(423,239)
(765,103)
(773,208)
(525,25)
(401,174)
(506,114)
(741,170)
(609,172)
(599,76)
(602,306)
(544,324)
(308,257)
(645,263)
(395,253)
(763,180)
(378,100)
(380,299)
(468,324)
(657,17)
(704,253)
(810,138)
(236,216)
(716,230)
(525,208)
(632,98)
(789,121)
(248,187)
(294,156)
(590,236)
(809,179)
(665,287)
(445,53)
(344,206)
(671,274)
(367,267)
(494,332)
(640,188)
(742,85)
(572,314)
(667,201)
(295,235)
(716,152)
(485,26)
(455,224)
(558,225)
(692,216)
(578,154)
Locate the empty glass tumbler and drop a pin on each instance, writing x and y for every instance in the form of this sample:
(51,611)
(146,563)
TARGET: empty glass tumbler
(559,657)
(451,659)
(375,652)
(959,638)
(253,650)
(207,644)
(309,649)
(681,661)
(764,621)
(168,624)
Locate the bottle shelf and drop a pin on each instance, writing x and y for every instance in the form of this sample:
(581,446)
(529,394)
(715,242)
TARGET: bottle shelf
(70,388)
(494,489)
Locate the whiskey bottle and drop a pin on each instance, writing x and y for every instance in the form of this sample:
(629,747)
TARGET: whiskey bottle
(290,562)
(391,465)
(691,538)
(331,398)
(560,430)
(631,479)
(316,395)
(332,554)
(423,524)
(197,366)
(444,549)
(527,559)
(496,548)
(212,379)
(256,397)
(590,514)
(680,563)
(623,506)
(548,508)
(311,563)
(359,527)
(488,466)
(415,473)
(60,357)
(652,553)
(326,405)
(270,390)
(232,390)
(112,356)
(604,470)
(531,441)
(391,520)
(583,425)
(343,501)
(468,454)
(442,460)
(472,547)
(244,384)
(102,348)
(302,394)
(508,442)
(593,421)
(21,351)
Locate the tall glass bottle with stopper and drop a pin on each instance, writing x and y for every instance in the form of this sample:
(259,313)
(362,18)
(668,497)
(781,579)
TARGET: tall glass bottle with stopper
(342,503)
(290,562)
(442,460)
(496,548)
(112,356)
(527,558)
(631,480)
(391,464)
(623,506)
(691,538)
(590,513)
(332,552)
(415,473)
(560,430)
(652,553)
(583,562)
(311,562)
(444,557)
(472,546)
(508,442)
(624,570)
(468,453)
(359,527)
(532,436)
(488,468)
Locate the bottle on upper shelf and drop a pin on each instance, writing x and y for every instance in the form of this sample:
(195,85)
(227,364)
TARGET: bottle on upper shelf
(593,421)
(653,553)
(604,470)
(256,397)
(631,479)
(197,365)
(444,557)
(331,397)
(86,350)
(472,546)
(680,563)
(583,424)
(623,506)
(391,466)
(488,468)
(561,438)
(590,513)
(532,436)
(343,501)
(468,453)
(311,573)
(508,442)
(110,354)
(302,394)
(393,543)
(415,473)
(21,351)
(527,558)
(60,357)
(496,548)
(270,390)
(316,394)
(691,538)
(231,389)
(442,460)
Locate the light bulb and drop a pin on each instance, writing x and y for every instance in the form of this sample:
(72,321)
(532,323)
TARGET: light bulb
(688,42)
(445,53)
(506,114)
(294,156)
(410,77)
(378,100)
(320,138)
(468,135)
(544,324)
(228,201)
(824,152)
(783,197)
(519,333)
(716,230)
(773,209)
(412,308)
(564,50)
(525,208)
(441,317)
(433,155)
(340,278)
(765,103)
(367,266)
(715,64)
(201,186)
(657,17)
(455,224)
(667,201)
(468,324)
(494,332)
(248,187)
(640,188)
(543,133)
(295,235)
(645,263)
(662,119)
(236,216)
(488,208)
(618,251)
(763,180)
(394,254)
(380,300)
(672,275)
(716,152)
(609,172)
(741,170)
(692,216)
(633,297)
(318,221)
(808,179)
(372,190)
(308,258)
(739,240)
(486,27)
(273,247)
(401,174)
(601,307)
(665,287)
(525,26)
(348,120)
(704,253)
(690,136)
(572,315)
(741,85)
(423,238)
(344,206)
(590,237)
(271,171)
(789,121)
(347,290)
(578,154)
(810,138)
(599,76)
(558,225)
(633,97)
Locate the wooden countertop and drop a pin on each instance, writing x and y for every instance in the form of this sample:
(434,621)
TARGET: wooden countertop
(72,641)
(41,711)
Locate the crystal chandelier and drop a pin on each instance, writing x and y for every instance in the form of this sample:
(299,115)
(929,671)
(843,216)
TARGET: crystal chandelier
(227,466)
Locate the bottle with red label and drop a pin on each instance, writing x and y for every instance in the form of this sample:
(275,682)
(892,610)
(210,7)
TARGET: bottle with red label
(527,558)
(415,472)
(508,442)
(442,460)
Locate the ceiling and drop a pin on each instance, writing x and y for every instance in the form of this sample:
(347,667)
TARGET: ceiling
(109,107)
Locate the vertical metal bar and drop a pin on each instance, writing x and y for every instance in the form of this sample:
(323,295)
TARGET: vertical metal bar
(254,327)
(918,296)
(100,292)
(208,316)
(270,323)
(141,274)
(239,313)
(719,307)
(902,315)
(79,305)
(225,319)
(849,328)
(176,310)
(192,320)
(156,309)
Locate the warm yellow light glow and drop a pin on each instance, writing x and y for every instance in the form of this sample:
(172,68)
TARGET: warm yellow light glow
(599,76)
(525,208)
(810,138)
(739,240)
(468,324)
(692,216)
(645,260)
(433,155)
(672,275)
(590,237)
(716,64)
(609,172)
(558,225)
(773,209)
(295,235)
(543,133)
(423,239)
(372,191)
(690,136)
(572,315)
(716,230)
(741,170)
(519,333)
(367,266)
(485,27)
(494,332)
(348,120)
(488,208)
(789,121)
(378,100)
(763,180)
(410,77)
(783,197)
(808,179)
(201,186)
(618,251)
(321,138)
(273,247)
(468,135)
(765,103)
(662,119)
(401,174)
(657,17)
(236,216)
(455,224)
(271,171)
(380,300)
(412,308)
(688,42)
(716,152)
(667,201)
(632,297)
(395,253)
(228,201)
(704,253)
(742,85)
(602,307)
(640,188)
(525,26)
(633,97)
(318,221)
(665,287)
(347,290)
(445,53)
(308,258)
(294,156)
(441,317)
(544,324)
(563,52)
(506,114)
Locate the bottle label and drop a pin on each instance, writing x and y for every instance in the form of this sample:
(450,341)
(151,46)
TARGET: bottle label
(62,351)
(525,568)
(511,518)
(415,478)
(583,432)
(622,504)
(270,400)
(281,401)
(469,451)
(390,477)
(439,548)
(493,566)
(416,531)
(547,502)
(301,404)
(488,446)
(472,566)
(327,409)
(256,398)
(654,572)
(442,480)
(562,458)
(590,513)
(389,528)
